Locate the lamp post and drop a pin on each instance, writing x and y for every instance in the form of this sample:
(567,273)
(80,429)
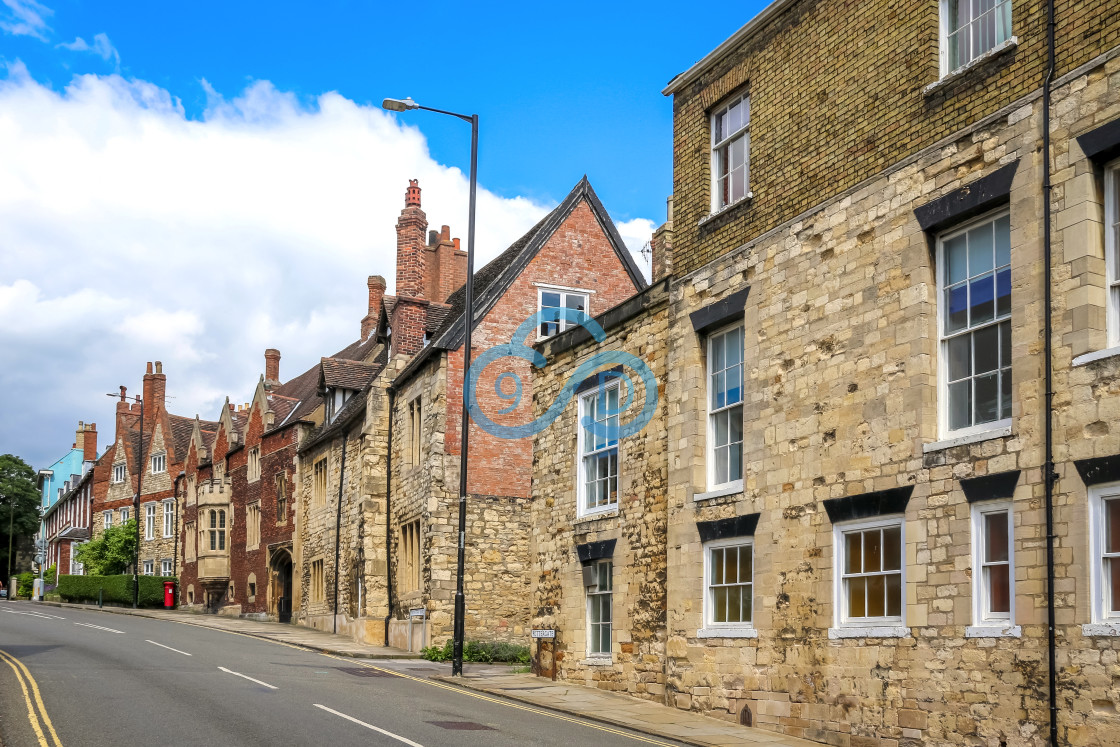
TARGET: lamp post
(402,105)
(136,503)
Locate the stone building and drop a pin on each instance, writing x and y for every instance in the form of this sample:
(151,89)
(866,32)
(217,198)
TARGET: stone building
(379,480)
(157,448)
(598,541)
(239,498)
(858,496)
(867,310)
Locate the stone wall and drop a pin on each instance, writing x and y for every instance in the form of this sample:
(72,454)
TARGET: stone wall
(841,399)
(637,524)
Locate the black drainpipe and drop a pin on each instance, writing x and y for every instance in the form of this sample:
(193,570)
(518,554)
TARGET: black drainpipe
(338,525)
(1049,473)
(388,503)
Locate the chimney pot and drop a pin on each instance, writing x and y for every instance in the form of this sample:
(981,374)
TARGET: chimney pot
(456,241)
(149,366)
(159,367)
(412,194)
(445,233)
(433,237)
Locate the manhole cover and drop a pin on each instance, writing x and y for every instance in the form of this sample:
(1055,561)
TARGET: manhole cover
(364,672)
(461,726)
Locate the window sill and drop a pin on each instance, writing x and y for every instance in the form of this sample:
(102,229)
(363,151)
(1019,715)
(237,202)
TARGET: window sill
(960,72)
(740,632)
(597,661)
(1096,355)
(606,514)
(1100,629)
(725,210)
(971,438)
(729,489)
(993,631)
(878,631)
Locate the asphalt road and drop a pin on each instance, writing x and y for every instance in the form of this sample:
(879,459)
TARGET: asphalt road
(120,680)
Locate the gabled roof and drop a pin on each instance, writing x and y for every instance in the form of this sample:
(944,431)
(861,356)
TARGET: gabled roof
(304,389)
(495,278)
(344,374)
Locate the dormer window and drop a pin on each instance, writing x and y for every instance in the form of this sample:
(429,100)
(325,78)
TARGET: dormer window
(336,398)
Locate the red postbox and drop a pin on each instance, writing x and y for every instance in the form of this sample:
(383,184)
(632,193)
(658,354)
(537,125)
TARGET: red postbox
(169,594)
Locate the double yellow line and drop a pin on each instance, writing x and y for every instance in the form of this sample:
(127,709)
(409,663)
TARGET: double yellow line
(39,720)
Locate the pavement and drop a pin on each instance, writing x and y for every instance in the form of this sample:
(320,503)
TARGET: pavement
(604,707)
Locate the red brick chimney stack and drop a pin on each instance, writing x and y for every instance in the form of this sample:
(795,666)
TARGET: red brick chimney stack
(272,366)
(410,245)
(87,441)
(128,415)
(155,386)
(376,285)
(409,313)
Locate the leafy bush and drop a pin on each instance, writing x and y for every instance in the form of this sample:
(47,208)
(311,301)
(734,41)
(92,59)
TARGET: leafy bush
(26,584)
(112,552)
(481,652)
(50,578)
(114,589)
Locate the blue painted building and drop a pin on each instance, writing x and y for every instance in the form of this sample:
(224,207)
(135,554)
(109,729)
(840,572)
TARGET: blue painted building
(53,480)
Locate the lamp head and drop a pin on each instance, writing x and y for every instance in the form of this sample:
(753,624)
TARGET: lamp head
(399,105)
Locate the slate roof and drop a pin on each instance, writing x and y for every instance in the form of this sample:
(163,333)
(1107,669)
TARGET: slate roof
(354,408)
(495,278)
(304,389)
(337,372)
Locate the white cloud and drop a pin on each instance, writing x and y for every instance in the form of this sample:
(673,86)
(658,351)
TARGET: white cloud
(24,18)
(130,233)
(636,234)
(101,47)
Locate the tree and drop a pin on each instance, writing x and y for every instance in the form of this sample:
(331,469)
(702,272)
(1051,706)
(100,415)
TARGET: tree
(19,503)
(111,553)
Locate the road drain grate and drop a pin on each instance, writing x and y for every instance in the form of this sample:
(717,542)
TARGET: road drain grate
(462,726)
(364,672)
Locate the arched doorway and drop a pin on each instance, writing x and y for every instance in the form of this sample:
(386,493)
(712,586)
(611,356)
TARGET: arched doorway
(281,596)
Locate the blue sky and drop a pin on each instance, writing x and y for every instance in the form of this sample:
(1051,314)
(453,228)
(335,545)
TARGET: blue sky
(560,89)
(194,183)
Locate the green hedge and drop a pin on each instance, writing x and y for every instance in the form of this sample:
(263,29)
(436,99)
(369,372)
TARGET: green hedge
(476,651)
(116,589)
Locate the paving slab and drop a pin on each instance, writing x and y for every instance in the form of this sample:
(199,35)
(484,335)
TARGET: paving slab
(617,709)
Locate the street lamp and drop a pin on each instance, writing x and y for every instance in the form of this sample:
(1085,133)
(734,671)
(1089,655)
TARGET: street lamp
(136,502)
(402,105)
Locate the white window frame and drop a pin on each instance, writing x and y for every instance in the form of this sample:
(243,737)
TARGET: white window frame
(1112,249)
(168,518)
(591,597)
(943,339)
(149,521)
(986,624)
(125,514)
(564,324)
(107,519)
(159,463)
(1098,580)
(744,131)
(713,629)
(585,401)
(888,626)
(710,458)
(165,568)
(149,568)
(945,62)
(120,472)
